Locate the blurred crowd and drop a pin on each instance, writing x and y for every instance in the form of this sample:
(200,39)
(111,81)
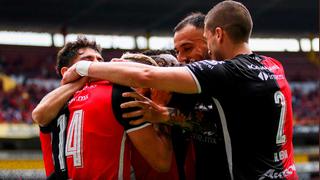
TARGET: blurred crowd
(17,104)
(306,106)
(30,69)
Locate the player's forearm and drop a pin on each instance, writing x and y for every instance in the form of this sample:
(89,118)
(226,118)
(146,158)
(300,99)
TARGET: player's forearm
(175,79)
(49,106)
(128,74)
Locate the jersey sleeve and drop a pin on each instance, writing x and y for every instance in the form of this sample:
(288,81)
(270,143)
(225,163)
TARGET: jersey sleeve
(51,141)
(117,100)
(212,76)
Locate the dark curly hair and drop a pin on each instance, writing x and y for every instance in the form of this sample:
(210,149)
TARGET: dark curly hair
(70,51)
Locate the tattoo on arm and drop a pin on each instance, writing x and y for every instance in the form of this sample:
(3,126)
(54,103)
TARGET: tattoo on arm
(184,120)
(177,116)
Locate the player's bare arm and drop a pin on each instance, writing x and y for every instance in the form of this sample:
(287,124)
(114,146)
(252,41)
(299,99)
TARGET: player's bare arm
(175,79)
(154,146)
(50,105)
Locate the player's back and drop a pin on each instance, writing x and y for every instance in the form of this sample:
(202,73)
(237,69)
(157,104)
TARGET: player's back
(263,137)
(254,104)
(96,146)
(260,126)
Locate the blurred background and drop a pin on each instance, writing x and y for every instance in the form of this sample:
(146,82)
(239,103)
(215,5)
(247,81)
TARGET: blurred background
(31,33)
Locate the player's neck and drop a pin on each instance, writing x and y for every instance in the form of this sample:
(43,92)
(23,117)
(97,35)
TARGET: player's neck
(237,49)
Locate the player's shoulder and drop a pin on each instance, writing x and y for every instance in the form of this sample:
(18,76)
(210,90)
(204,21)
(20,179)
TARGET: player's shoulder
(272,60)
(205,64)
(253,61)
(246,58)
(253,58)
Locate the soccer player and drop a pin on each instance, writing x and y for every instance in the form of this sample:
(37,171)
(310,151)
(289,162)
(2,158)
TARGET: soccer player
(250,90)
(91,132)
(207,137)
(52,136)
(142,169)
(200,147)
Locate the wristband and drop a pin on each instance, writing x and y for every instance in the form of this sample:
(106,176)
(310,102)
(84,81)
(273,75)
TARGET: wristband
(82,67)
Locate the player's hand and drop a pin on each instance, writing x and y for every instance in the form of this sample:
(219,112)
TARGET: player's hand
(79,83)
(70,75)
(148,110)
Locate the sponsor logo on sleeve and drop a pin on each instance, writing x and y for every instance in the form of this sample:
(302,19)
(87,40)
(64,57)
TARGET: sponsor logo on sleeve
(273,174)
(263,76)
(255,67)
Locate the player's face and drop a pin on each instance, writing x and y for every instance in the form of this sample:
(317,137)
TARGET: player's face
(88,54)
(212,44)
(190,45)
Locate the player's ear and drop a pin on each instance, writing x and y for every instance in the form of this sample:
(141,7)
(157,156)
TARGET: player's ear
(63,70)
(219,33)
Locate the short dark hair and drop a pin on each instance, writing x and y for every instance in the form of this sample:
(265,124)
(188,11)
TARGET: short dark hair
(195,19)
(153,52)
(233,17)
(70,51)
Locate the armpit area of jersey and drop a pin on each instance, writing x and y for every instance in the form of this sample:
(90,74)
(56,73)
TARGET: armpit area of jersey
(46,129)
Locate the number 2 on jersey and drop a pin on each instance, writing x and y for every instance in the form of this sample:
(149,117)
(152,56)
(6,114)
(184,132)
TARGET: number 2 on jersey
(280,99)
(74,138)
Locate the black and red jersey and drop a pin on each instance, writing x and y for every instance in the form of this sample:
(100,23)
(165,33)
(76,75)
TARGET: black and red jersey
(52,138)
(253,99)
(88,139)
